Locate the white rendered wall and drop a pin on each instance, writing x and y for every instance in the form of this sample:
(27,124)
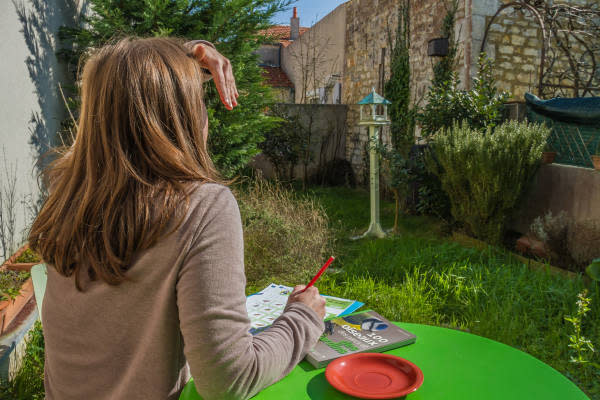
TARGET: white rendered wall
(31,107)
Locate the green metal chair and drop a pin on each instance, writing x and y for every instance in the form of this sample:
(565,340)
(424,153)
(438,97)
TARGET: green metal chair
(39,276)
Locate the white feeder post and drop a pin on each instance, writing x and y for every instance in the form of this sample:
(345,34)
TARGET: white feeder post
(375,122)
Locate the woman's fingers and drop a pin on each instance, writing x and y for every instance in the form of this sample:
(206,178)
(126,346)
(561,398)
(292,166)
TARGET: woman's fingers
(221,83)
(231,84)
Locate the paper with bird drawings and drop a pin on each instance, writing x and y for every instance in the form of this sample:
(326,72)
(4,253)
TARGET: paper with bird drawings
(265,306)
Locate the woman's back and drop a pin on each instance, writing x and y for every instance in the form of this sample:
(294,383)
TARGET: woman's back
(123,338)
(124,342)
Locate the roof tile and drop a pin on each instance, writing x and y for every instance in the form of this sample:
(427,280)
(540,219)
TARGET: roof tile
(276,77)
(281,33)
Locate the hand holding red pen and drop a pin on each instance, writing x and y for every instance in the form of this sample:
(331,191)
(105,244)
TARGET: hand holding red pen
(309,295)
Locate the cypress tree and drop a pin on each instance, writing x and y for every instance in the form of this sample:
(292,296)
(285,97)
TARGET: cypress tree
(397,88)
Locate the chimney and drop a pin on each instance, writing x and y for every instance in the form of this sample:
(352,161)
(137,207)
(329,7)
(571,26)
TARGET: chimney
(295,25)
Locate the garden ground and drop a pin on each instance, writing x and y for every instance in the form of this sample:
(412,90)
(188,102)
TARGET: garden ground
(422,276)
(419,275)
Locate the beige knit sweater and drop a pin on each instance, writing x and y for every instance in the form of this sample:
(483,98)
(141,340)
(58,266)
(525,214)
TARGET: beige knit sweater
(182,311)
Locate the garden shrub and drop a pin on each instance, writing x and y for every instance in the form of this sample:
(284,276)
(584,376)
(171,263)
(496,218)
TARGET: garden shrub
(10,283)
(583,242)
(572,245)
(28,256)
(428,197)
(396,172)
(284,144)
(397,88)
(480,107)
(485,173)
(286,237)
(553,230)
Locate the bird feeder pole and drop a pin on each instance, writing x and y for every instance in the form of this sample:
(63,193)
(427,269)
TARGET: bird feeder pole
(375,122)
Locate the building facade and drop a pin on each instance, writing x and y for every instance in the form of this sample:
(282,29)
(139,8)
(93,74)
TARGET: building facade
(315,61)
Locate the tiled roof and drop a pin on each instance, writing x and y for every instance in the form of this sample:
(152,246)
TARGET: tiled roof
(276,77)
(281,33)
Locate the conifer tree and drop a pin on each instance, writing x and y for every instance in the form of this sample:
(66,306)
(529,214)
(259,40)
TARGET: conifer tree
(402,115)
(232,25)
(397,88)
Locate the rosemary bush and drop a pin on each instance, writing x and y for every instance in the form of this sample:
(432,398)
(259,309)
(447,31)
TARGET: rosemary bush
(485,173)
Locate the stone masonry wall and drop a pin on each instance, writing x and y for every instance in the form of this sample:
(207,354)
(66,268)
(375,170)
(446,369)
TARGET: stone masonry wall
(370,33)
(426,23)
(369,24)
(514,42)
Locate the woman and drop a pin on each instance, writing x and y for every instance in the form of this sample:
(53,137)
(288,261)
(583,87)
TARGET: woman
(144,242)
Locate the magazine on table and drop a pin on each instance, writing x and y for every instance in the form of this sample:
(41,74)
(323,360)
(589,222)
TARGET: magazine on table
(265,306)
(364,331)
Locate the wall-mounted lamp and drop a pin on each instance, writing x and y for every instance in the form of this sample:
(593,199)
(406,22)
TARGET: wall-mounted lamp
(437,47)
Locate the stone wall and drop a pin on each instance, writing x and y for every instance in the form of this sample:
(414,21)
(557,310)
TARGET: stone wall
(426,23)
(370,29)
(514,42)
(370,35)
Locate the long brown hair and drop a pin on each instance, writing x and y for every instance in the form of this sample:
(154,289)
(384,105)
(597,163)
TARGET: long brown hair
(139,143)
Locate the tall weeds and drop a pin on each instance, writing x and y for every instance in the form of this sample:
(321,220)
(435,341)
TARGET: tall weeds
(286,237)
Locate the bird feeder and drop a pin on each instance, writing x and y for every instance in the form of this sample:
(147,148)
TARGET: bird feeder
(370,117)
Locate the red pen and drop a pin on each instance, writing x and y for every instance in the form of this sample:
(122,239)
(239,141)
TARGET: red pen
(323,268)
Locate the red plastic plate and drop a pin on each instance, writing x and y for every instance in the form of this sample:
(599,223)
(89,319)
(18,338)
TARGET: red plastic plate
(374,375)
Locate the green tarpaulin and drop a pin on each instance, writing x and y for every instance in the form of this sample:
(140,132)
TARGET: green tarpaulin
(575,124)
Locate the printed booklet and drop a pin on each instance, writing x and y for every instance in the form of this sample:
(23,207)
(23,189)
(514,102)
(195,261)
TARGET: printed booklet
(364,331)
(265,306)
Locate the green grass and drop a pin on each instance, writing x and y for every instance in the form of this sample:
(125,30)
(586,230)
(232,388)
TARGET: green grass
(423,277)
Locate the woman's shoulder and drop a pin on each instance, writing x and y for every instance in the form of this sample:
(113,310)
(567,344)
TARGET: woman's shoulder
(212,202)
(202,190)
(212,197)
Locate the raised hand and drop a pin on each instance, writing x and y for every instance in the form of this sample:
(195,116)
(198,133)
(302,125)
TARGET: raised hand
(220,68)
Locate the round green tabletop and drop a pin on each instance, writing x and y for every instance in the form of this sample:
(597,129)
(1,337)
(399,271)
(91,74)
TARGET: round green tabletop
(455,364)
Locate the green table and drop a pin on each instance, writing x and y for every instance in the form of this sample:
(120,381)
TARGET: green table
(455,364)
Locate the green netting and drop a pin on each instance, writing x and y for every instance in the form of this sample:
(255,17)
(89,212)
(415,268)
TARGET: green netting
(575,125)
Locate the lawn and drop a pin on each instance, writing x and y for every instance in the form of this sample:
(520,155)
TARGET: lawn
(419,275)
(423,277)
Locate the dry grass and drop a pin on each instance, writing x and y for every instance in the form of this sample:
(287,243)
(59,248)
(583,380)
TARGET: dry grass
(286,237)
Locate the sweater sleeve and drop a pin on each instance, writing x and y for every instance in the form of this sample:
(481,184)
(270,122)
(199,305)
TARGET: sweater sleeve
(226,361)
